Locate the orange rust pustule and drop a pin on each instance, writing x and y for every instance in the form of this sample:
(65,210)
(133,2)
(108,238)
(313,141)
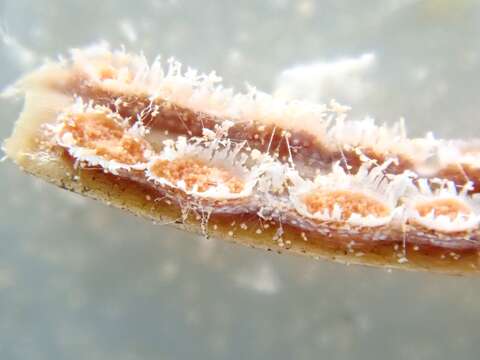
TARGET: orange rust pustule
(351,202)
(101,133)
(340,243)
(196,172)
(446,207)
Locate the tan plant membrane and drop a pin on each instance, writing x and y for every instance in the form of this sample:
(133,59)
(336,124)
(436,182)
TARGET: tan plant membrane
(175,146)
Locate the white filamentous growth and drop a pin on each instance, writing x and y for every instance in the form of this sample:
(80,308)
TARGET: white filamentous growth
(466,218)
(369,181)
(460,153)
(89,156)
(215,150)
(273,181)
(205,93)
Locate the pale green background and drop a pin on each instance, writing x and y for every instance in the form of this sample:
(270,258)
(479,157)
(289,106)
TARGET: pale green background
(79,280)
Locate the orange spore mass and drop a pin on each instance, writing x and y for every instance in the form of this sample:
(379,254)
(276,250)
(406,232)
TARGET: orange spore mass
(446,207)
(350,202)
(196,172)
(103,134)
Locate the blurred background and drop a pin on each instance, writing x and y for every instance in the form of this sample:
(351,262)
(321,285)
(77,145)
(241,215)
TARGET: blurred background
(79,280)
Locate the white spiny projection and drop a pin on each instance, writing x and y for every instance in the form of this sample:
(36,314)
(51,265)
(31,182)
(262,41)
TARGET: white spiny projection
(176,146)
(444,209)
(367,198)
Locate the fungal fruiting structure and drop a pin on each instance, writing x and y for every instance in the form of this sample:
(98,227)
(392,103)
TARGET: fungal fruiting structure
(294,177)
